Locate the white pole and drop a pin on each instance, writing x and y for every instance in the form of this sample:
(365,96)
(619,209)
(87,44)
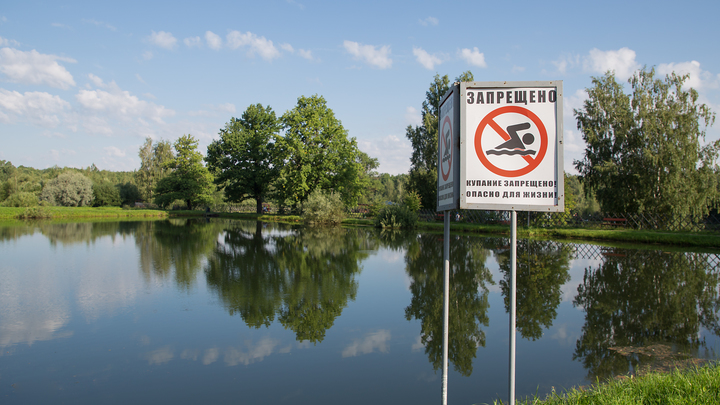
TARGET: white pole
(446,304)
(513,287)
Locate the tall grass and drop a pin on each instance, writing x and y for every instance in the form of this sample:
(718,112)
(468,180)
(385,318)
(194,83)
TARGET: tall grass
(693,386)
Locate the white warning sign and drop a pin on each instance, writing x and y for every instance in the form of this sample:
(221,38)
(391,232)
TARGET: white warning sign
(511,146)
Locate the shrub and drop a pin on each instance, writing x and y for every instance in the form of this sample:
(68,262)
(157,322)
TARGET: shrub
(396,216)
(21,199)
(323,208)
(69,189)
(412,201)
(35,213)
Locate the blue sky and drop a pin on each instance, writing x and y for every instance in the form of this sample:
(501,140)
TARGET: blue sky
(87,82)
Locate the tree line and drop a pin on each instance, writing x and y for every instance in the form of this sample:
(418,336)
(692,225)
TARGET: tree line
(258,157)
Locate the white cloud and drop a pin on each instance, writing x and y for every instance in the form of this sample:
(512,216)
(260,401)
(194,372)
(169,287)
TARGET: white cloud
(622,62)
(213,40)
(121,104)
(372,342)
(114,151)
(8,42)
(147,55)
(413,116)
(393,153)
(192,42)
(140,79)
(98,82)
(429,21)
(100,24)
(473,57)
(163,39)
(35,68)
(59,25)
(260,45)
(698,79)
(425,59)
(306,54)
(42,109)
(379,58)
(302,52)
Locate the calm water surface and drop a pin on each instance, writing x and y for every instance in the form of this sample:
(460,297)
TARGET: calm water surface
(191,311)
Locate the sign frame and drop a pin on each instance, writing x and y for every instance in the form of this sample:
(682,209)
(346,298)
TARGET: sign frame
(471,133)
(449,181)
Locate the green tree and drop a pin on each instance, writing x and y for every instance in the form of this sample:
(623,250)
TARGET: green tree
(317,154)
(424,140)
(188,180)
(129,193)
(646,150)
(245,160)
(69,189)
(153,166)
(105,194)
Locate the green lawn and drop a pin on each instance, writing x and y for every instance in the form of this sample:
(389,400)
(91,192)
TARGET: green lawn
(79,212)
(694,386)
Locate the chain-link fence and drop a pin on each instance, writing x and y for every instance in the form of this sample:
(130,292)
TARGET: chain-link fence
(569,220)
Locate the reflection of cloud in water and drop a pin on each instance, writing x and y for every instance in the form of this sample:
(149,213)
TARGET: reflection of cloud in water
(255,352)
(418,345)
(392,256)
(372,341)
(32,307)
(189,354)
(562,335)
(211,356)
(160,356)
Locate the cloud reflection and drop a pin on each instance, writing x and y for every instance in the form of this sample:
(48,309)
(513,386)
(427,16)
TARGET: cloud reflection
(372,341)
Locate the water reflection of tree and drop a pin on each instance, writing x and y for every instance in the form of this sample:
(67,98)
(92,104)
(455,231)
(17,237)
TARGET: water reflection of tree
(468,297)
(637,298)
(542,267)
(176,244)
(305,279)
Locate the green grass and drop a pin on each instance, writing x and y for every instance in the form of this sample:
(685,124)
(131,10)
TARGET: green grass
(694,386)
(78,212)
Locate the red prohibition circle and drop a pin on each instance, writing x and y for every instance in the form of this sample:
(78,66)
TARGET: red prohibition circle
(489,120)
(447,121)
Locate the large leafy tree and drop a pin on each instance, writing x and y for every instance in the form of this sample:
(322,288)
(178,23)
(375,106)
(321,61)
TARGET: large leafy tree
(423,162)
(646,151)
(317,154)
(153,166)
(245,159)
(69,189)
(188,180)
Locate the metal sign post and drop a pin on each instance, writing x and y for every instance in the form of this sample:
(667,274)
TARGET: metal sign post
(513,305)
(446,304)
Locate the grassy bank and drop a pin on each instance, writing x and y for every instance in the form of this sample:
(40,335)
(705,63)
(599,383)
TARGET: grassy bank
(685,239)
(9,213)
(695,386)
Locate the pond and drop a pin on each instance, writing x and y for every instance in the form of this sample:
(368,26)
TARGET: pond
(222,311)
